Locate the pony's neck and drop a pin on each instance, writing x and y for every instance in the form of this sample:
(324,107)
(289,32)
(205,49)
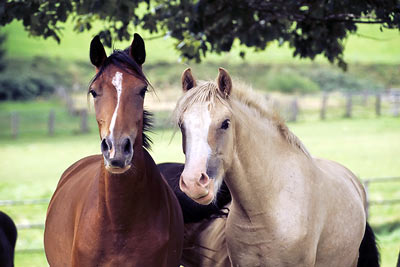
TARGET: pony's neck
(123,197)
(260,152)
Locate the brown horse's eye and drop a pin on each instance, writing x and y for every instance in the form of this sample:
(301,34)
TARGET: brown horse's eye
(93,93)
(143,91)
(225,124)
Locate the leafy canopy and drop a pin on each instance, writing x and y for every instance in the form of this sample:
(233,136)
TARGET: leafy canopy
(201,26)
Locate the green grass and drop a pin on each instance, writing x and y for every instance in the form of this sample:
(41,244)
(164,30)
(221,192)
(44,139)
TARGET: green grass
(361,48)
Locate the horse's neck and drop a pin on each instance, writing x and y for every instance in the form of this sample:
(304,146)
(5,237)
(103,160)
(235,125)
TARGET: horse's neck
(123,198)
(260,152)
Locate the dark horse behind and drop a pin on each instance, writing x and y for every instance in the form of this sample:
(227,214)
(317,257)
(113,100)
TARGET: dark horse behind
(8,238)
(192,211)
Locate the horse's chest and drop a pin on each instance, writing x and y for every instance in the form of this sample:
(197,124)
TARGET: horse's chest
(99,245)
(255,242)
(247,243)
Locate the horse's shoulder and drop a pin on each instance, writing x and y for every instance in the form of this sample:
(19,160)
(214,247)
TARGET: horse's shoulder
(342,174)
(79,169)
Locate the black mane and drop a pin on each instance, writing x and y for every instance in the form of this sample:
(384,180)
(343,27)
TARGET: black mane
(147,125)
(125,62)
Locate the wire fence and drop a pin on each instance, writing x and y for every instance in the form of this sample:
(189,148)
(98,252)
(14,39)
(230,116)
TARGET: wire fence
(45,201)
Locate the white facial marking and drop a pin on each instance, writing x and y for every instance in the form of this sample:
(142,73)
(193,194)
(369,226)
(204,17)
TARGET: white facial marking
(197,122)
(117,82)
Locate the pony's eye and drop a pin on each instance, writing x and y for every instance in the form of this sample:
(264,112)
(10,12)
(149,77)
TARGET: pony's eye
(225,124)
(143,91)
(93,93)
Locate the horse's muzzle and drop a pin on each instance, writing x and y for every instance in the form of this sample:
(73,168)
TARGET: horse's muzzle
(117,154)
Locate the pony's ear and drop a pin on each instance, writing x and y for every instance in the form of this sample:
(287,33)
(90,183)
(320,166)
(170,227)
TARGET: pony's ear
(224,82)
(137,49)
(97,52)
(188,81)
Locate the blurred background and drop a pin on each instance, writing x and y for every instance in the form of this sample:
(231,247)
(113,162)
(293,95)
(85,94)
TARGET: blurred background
(47,121)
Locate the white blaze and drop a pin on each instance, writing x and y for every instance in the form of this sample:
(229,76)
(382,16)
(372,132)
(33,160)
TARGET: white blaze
(117,82)
(197,122)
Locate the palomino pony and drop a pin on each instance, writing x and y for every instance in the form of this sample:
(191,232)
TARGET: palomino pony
(115,209)
(288,208)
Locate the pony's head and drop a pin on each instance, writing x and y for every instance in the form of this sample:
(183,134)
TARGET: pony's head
(118,89)
(205,119)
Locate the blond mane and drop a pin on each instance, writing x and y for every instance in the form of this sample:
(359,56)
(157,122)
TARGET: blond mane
(209,92)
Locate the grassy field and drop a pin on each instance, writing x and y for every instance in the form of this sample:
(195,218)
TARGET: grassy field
(34,163)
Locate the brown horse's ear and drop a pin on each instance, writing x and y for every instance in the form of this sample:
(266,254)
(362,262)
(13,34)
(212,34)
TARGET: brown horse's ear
(188,81)
(224,82)
(97,52)
(137,49)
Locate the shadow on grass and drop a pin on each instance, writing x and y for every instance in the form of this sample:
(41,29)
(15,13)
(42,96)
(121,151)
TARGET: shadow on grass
(386,228)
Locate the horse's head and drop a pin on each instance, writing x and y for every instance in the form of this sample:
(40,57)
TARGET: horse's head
(204,116)
(118,90)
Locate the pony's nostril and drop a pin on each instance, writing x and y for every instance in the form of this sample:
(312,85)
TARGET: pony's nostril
(127,146)
(204,180)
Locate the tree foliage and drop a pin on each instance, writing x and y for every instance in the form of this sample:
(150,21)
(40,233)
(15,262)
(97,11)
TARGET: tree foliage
(201,26)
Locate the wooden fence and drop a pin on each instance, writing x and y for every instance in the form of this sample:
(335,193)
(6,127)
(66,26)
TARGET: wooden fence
(391,98)
(51,122)
(292,107)
(366,182)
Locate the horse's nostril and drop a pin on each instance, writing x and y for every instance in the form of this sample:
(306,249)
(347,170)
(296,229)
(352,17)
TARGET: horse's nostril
(127,146)
(105,146)
(204,180)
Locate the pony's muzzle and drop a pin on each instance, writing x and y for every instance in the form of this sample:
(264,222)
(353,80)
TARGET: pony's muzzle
(117,154)
(200,189)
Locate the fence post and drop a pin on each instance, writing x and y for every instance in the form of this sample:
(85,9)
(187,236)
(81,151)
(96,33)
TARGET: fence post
(349,104)
(378,99)
(14,124)
(51,122)
(84,121)
(70,105)
(294,110)
(323,106)
(365,97)
(396,104)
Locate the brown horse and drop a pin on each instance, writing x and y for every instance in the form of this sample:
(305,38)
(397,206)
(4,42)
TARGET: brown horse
(115,209)
(288,208)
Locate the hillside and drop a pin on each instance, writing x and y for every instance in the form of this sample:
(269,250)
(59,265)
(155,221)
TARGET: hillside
(368,46)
